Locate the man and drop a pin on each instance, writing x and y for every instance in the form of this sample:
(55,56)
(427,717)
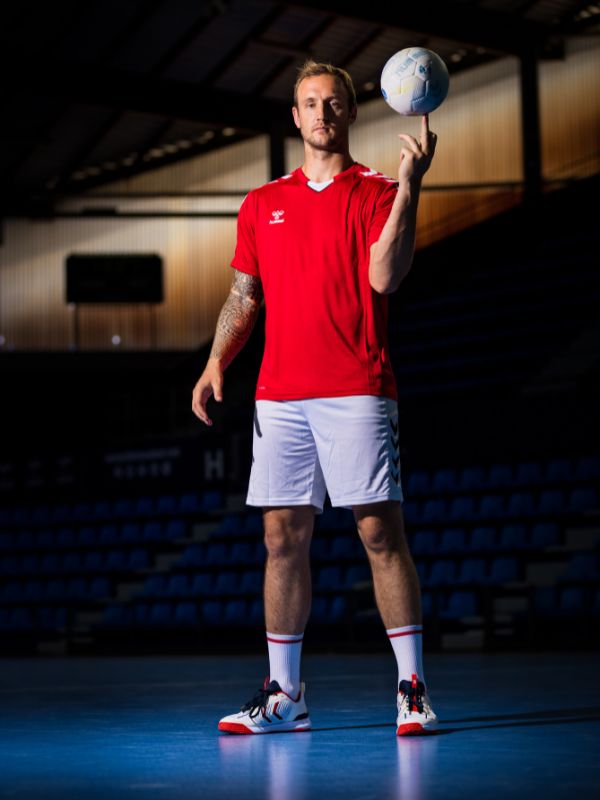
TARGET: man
(324,246)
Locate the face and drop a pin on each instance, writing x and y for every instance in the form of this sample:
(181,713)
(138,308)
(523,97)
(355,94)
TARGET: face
(323,114)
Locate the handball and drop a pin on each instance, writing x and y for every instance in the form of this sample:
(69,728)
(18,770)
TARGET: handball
(414,81)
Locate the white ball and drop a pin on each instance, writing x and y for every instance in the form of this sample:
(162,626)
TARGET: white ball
(414,81)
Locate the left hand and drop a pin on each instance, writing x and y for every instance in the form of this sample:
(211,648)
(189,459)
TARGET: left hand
(417,154)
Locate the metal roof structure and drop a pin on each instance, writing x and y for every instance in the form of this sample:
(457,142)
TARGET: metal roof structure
(100,90)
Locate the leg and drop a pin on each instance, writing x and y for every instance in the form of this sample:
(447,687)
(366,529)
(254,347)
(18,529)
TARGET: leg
(288,532)
(395,579)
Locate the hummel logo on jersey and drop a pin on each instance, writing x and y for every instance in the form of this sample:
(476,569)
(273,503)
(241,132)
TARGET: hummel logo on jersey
(277,217)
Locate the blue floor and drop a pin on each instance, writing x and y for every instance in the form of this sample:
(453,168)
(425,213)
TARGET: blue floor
(512,725)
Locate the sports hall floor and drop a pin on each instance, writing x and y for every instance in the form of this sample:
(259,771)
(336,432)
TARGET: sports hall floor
(512,726)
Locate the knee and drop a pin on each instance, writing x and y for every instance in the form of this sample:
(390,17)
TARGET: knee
(286,538)
(381,533)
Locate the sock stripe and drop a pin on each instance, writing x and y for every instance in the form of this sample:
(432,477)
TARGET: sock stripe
(285,641)
(406,633)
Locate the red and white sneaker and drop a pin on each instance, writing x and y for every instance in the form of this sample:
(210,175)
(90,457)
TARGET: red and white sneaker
(271,710)
(415,715)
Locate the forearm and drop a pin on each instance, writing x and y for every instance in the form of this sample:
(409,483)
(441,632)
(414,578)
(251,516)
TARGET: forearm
(392,254)
(234,326)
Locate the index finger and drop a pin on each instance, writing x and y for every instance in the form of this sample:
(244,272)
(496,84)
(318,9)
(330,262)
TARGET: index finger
(424,130)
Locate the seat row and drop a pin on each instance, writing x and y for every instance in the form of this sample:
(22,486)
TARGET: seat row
(73,590)
(94,536)
(121,561)
(483,539)
(161,505)
(519,505)
(499,476)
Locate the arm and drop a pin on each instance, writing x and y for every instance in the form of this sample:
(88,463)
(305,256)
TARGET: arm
(391,255)
(234,326)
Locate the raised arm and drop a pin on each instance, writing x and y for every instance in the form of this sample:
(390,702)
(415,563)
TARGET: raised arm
(391,255)
(234,326)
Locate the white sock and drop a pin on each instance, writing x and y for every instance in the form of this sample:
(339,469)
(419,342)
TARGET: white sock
(284,661)
(408,649)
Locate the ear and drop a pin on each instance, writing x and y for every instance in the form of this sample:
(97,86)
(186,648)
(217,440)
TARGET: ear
(296,116)
(353,113)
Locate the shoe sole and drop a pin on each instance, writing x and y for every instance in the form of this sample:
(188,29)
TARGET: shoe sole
(284,727)
(415,729)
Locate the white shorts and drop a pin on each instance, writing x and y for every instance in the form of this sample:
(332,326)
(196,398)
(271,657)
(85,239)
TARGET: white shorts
(348,446)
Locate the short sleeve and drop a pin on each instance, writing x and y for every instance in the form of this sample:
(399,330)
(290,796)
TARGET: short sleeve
(381,211)
(245,258)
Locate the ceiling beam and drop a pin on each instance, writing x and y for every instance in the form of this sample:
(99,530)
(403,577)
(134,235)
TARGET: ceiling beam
(502,32)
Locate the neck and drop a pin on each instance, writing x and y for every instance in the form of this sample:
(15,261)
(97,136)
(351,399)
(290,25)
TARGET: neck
(320,165)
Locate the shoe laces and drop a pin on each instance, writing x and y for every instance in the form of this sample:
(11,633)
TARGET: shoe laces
(261,698)
(413,692)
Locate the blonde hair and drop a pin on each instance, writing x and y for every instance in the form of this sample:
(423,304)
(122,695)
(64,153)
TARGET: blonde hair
(312,68)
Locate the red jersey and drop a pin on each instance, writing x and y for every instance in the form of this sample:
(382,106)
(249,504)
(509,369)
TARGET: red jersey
(326,328)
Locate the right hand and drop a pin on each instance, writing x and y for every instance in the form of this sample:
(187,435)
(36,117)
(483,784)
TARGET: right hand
(210,383)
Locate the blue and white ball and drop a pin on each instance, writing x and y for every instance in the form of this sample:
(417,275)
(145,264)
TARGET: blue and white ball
(414,81)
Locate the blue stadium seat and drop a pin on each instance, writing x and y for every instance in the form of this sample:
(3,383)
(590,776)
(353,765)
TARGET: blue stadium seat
(444,480)
(77,588)
(491,506)
(12,592)
(462,509)
(49,563)
(588,468)
(177,585)
(202,584)
(152,532)
(242,553)
(256,614)
(131,533)
(186,614)
(424,543)
(260,552)
(551,502)
(166,504)
(442,572)
(417,483)
(46,539)
(521,504)
(212,612)
(320,548)
(460,604)
(4,619)
(433,511)
(190,503)
(421,567)
(544,534)
(54,590)
(427,604)
(582,567)
(251,582)
(235,612)
(25,540)
(503,570)
(139,614)
(559,470)
(176,529)
(194,555)
(144,506)
(357,573)
(161,615)
(51,619)
(345,548)
(217,553)
(571,601)
(109,535)
(72,562)
(338,608)
(471,478)
(320,609)
(102,509)
(482,539)
(116,616)
(227,583)
(99,587)
(6,541)
(116,561)
(124,507)
(41,515)
(138,559)
(582,500)
(329,578)
(500,476)
(66,537)
(9,565)
(410,511)
(529,473)
(513,537)
(231,524)
(253,524)
(212,500)
(21,619)
(596,603)
(155,586)
(61,513)
(545,601)
(472,570)
(453,540)
(82,512)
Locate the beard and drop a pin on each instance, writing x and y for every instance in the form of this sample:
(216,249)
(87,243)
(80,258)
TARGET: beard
(329,141)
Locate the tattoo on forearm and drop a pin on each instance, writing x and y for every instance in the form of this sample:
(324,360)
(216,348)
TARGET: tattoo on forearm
(237,317)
